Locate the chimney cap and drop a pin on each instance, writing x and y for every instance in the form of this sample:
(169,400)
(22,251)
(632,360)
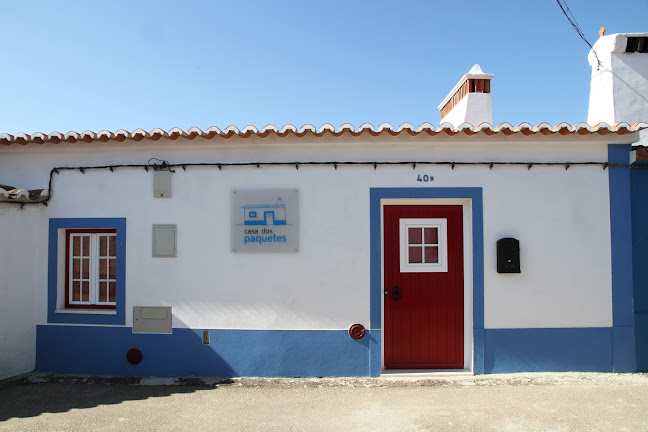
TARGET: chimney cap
(475,72)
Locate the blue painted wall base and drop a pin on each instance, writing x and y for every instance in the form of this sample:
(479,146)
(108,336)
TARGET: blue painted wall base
(478,351)
(641,339)
(98,350)
(548,350)
(624,353)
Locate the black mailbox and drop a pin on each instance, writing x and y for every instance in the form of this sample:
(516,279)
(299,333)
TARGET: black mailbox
(508,255)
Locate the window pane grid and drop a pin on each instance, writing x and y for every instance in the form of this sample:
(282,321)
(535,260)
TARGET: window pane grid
(423,245)
(107,268)
(80,269)
(93,275)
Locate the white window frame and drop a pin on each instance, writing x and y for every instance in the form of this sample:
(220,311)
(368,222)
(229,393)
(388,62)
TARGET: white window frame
(94,274)
(441,224)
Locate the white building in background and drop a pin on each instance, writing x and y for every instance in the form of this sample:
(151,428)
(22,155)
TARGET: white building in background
(402,254)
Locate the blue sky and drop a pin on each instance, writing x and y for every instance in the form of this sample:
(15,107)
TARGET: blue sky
(93,65)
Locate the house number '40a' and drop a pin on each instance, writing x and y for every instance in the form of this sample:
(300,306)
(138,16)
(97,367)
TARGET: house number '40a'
(424,178)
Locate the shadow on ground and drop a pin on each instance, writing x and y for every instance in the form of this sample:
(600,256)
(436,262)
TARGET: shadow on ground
(31,396)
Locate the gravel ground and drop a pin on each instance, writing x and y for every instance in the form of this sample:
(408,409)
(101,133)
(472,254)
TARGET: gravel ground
(515,402)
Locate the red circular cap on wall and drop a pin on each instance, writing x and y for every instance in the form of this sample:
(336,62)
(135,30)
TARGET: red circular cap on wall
(357,331)
(134,356)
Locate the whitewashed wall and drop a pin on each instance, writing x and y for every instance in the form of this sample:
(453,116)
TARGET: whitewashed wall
(21,235)
(561,218)
(474,108)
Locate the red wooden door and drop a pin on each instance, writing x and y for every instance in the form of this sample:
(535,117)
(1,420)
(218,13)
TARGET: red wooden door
(423,287)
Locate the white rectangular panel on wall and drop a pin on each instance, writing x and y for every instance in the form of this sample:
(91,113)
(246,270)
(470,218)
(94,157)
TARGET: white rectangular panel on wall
(265,220)
(152,319)
(164,241)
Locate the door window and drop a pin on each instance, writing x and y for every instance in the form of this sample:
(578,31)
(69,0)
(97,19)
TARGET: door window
(423,245)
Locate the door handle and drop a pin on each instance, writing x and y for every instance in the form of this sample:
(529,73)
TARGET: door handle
(396,293)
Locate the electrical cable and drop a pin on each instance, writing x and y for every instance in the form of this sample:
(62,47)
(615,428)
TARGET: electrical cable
(572,20)
(296,164)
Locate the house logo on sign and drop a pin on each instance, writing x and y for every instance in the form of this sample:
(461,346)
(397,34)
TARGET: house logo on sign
(265,214)
(265,220)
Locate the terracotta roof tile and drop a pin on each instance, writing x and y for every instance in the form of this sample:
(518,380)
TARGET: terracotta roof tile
(11,194)
(324,130)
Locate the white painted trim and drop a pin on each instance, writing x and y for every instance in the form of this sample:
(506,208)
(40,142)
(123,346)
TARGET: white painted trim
(469,350)
(61,270)
(87,311)
(442,242)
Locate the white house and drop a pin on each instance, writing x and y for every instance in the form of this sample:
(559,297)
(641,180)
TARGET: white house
(398,253)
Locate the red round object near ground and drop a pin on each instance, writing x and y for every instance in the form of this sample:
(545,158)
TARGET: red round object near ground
(357,331)
(134,356)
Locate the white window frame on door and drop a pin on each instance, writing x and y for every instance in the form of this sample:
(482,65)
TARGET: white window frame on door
(442,229)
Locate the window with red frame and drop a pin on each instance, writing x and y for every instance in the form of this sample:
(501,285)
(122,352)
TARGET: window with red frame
(91,263)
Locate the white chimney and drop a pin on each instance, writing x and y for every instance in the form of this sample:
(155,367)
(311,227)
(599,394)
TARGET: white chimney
(469,101)
(619,89)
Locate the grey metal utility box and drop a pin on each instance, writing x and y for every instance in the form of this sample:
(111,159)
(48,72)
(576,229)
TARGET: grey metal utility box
(162,183)
(149,319)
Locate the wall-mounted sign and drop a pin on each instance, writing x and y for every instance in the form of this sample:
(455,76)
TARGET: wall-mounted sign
(265,220)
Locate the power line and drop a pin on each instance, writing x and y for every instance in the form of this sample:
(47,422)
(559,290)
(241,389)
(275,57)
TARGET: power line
(572,20)
(165,165)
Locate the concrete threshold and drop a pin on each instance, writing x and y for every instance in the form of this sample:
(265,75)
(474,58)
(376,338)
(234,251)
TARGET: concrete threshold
(424,373)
